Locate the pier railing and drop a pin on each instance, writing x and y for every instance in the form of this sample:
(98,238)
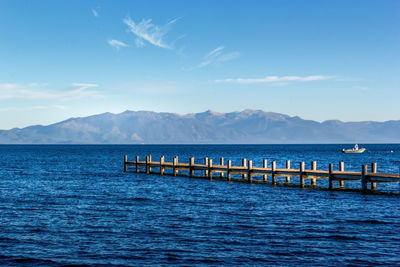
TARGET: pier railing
(225,171)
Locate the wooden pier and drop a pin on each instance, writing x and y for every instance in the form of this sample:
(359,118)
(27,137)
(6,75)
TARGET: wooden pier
(247,171)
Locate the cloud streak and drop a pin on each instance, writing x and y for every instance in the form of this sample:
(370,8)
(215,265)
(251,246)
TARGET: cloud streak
(32,108)
(95,12)
(275,79)
(32,92)
(218,55)
(145,31)
(117,44)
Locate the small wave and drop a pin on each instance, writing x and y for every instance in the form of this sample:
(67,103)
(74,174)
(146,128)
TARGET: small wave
(368,221)
(26,261)
(141,199)
(210,260)
(342,237)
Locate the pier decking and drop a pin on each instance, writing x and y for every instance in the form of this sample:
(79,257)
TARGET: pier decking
(247,172)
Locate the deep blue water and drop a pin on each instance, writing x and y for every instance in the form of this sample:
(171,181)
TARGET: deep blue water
(64,205)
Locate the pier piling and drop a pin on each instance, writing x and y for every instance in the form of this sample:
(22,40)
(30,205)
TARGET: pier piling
(191,169)
(364,171)
(207,167)
(341,169)
(147,164)
(301,171)
(265,165)
(210,165)
(249,174)
(273,169)
(288,167)
(229,166)
(330,176)
(175,164)
(162,158)
(137,163)
(244,164)
(314,168)
(373,170)
(221,162)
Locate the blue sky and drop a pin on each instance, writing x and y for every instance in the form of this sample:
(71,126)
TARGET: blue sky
(319,60)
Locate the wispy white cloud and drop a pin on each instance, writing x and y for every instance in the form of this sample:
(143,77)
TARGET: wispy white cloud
(211,56)
(59,107)
(146,31)
(7,90)
(95,12)
(36,92)
(117,44)
(218,55)
(46,107)
(83,86)
(228,56)
(30,108)
(274,79)
(362,88)
(8,86)
(139,42)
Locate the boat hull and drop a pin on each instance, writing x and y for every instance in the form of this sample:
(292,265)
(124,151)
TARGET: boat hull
(353,151)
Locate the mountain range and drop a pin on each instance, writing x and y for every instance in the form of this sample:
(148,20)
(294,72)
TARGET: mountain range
(245,127)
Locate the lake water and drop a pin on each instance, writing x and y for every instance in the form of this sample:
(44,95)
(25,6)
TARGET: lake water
(63,205)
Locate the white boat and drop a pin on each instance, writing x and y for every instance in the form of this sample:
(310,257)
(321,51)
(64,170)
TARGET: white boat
(355,149)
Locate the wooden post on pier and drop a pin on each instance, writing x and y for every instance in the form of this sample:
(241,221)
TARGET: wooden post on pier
(314,168)
(364,171)
(147,164)
(162,158)
(244,164)
(301,170)
(125,165)
(191,163)
(288,167)
(341,169)
(265,165)
(137,163)
(210,164)
(229,166)
(221,162)
(273,167)
(373,170)
(206,169)
(330,176)
(174,168)
(250,176)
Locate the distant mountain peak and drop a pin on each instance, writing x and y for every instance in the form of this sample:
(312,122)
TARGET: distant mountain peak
(239,127)
(252,111)
(332,122)
(212,112)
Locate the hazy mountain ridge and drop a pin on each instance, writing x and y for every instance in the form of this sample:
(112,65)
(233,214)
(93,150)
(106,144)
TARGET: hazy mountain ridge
(248,126)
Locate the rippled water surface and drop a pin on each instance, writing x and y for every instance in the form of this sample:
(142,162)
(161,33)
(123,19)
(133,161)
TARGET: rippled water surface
(75,205)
